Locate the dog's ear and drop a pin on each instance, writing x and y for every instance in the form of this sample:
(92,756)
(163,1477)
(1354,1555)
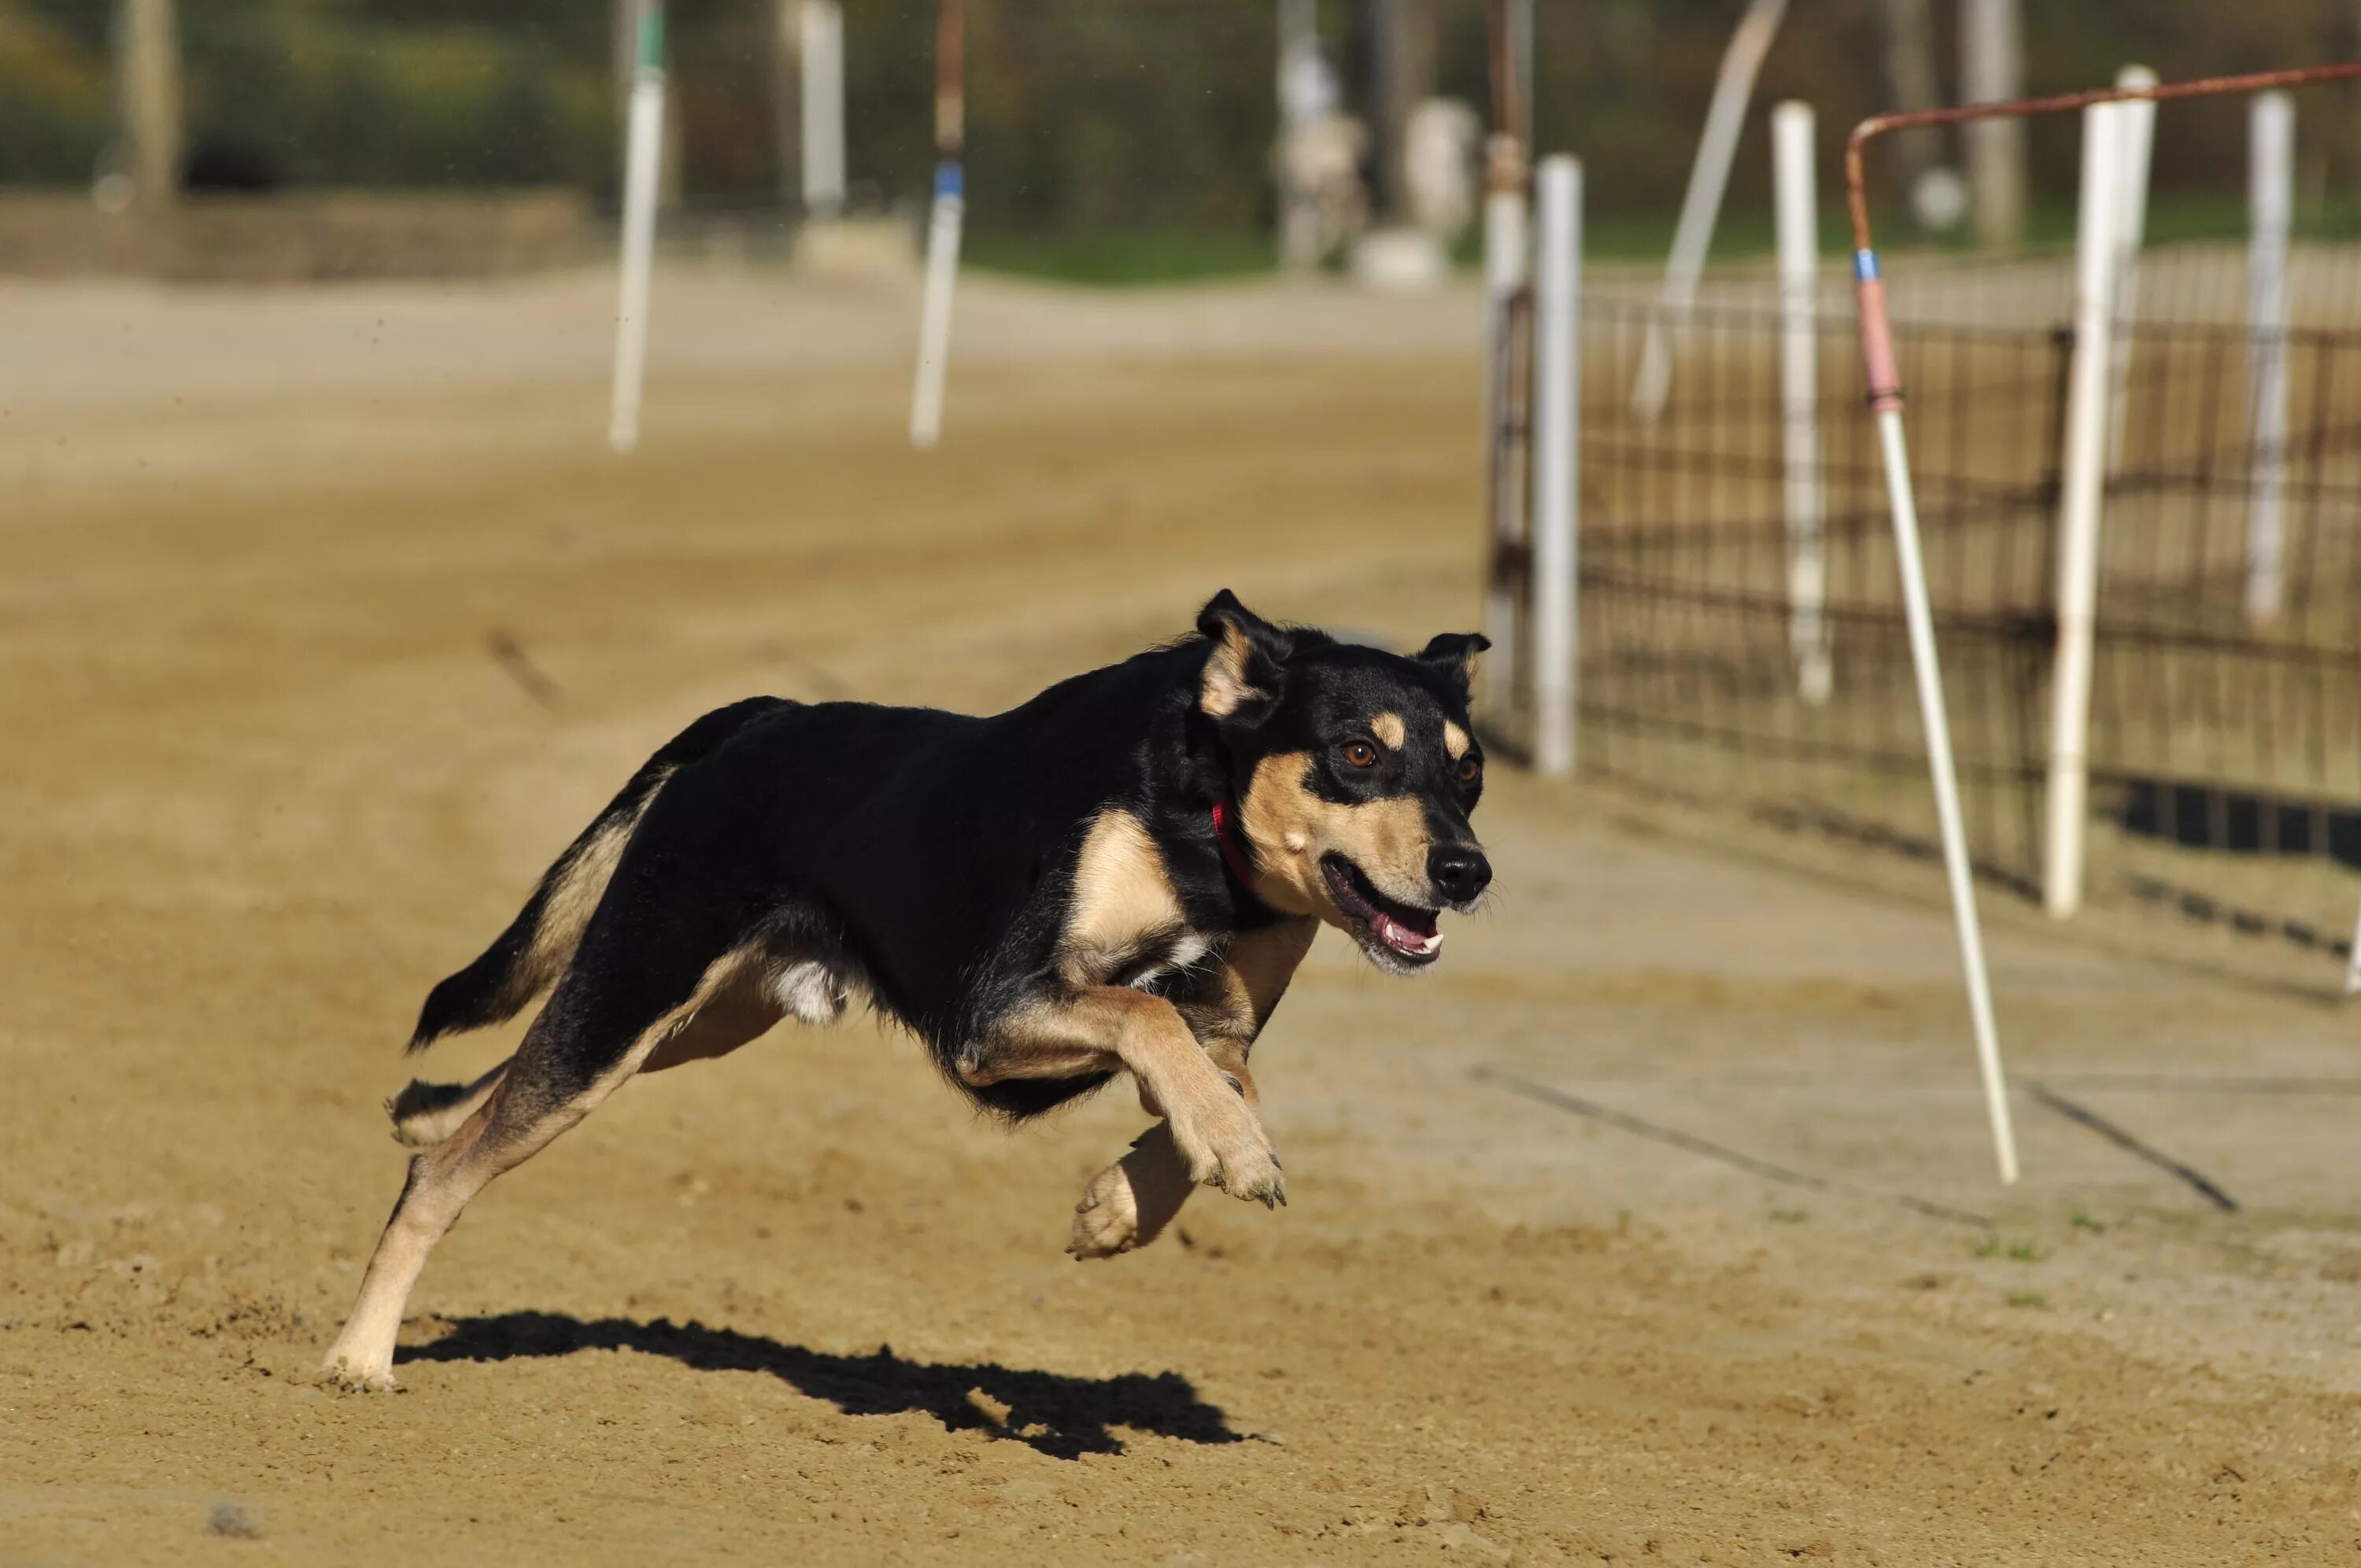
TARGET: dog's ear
(1245,672)
(1452,655)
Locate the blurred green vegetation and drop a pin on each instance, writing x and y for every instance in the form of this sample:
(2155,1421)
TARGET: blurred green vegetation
(1109,140)
(1162,256)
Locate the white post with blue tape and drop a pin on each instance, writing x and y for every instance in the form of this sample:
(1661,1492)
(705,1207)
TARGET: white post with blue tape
(934,314)
(1885,403)
(943,229)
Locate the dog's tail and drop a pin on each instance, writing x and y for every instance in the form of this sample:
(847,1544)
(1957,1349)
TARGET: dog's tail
(539,943)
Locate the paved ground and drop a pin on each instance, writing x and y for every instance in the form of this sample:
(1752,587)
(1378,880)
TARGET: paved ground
(1658,1224)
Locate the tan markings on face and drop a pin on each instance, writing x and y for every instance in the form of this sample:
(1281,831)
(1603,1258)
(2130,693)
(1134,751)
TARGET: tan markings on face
(1224,687)
(1454,741)
(1291,829)
(1388,727)
(1123,897)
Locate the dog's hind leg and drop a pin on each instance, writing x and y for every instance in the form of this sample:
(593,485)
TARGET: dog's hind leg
(1129,1204)
(597,1030)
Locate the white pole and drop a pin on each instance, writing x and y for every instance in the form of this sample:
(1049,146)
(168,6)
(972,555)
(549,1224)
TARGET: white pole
(1884,383)
(643,165)
(2083,496)
(935,315)
(2353,971)
(2270,207)
(1557,413)
(1505,243)
(2137,118)
(1796,200)
(1947,787)
(822,27)
(1724,118)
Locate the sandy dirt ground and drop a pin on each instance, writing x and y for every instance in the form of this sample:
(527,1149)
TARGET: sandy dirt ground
(1658,1225)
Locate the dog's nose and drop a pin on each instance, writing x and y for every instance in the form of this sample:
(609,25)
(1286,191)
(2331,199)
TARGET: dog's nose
(1459,872)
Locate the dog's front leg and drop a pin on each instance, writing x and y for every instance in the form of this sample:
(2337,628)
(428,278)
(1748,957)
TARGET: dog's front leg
(1129,1204)
(1215,1132)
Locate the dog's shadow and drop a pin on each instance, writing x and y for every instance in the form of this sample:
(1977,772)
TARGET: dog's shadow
(1058,1415)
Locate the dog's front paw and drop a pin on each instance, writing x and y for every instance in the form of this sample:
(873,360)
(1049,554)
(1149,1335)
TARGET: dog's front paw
(1224,1146)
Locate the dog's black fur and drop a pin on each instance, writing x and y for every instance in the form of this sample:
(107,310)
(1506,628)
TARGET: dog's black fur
(1016,889)
(934,853)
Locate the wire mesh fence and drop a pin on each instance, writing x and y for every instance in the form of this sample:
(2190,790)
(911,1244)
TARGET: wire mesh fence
(2225,743)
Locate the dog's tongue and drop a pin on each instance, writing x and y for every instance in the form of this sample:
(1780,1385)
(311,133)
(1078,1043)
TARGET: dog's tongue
(1403,940)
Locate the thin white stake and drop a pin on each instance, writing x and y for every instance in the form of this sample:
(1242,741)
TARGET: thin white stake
(1505,245)
(1724,118)
(2271,209)
(1947,785)
(2353,971)
(821,23)
(935,316)
(2139,123)
(643,165)
(1800,396)
(1884,382)
(2082,497)
(1557,412)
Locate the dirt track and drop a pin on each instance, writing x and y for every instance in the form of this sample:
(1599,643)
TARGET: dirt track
(268,780)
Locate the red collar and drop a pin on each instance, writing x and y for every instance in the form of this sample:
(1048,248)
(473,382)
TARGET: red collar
(1234,854)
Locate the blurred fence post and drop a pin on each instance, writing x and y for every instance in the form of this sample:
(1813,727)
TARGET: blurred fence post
(1797,201)
(643,169)
(2131,226)
(1521,57)
(2080,502)
(148,65)
(1724,118)
(1505,245)
(1991,70)
(1557,447)
(1298,72)
(822,46)
(2270,171)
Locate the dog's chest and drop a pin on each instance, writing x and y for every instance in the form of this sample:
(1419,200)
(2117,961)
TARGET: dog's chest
(1125,924)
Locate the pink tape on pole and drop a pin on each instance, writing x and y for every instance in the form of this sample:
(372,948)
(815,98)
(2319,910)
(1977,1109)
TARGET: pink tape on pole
(1876,335)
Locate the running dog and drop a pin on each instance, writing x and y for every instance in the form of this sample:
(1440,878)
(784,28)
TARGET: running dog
(1119,876)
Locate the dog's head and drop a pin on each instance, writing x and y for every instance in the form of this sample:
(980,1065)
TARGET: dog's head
(1354,771)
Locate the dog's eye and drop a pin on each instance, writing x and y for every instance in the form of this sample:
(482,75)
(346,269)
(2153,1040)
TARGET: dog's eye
(1470,769)
(1360,754)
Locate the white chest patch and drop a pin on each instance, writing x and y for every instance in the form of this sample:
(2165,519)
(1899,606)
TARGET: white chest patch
(1185,950)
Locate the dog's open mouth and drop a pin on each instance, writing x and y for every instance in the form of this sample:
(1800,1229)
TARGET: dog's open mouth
(1403,930)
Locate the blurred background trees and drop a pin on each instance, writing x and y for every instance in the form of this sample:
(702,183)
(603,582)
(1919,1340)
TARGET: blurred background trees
(1085,116)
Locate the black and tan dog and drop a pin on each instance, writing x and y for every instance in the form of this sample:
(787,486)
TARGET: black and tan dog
(1119,876)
